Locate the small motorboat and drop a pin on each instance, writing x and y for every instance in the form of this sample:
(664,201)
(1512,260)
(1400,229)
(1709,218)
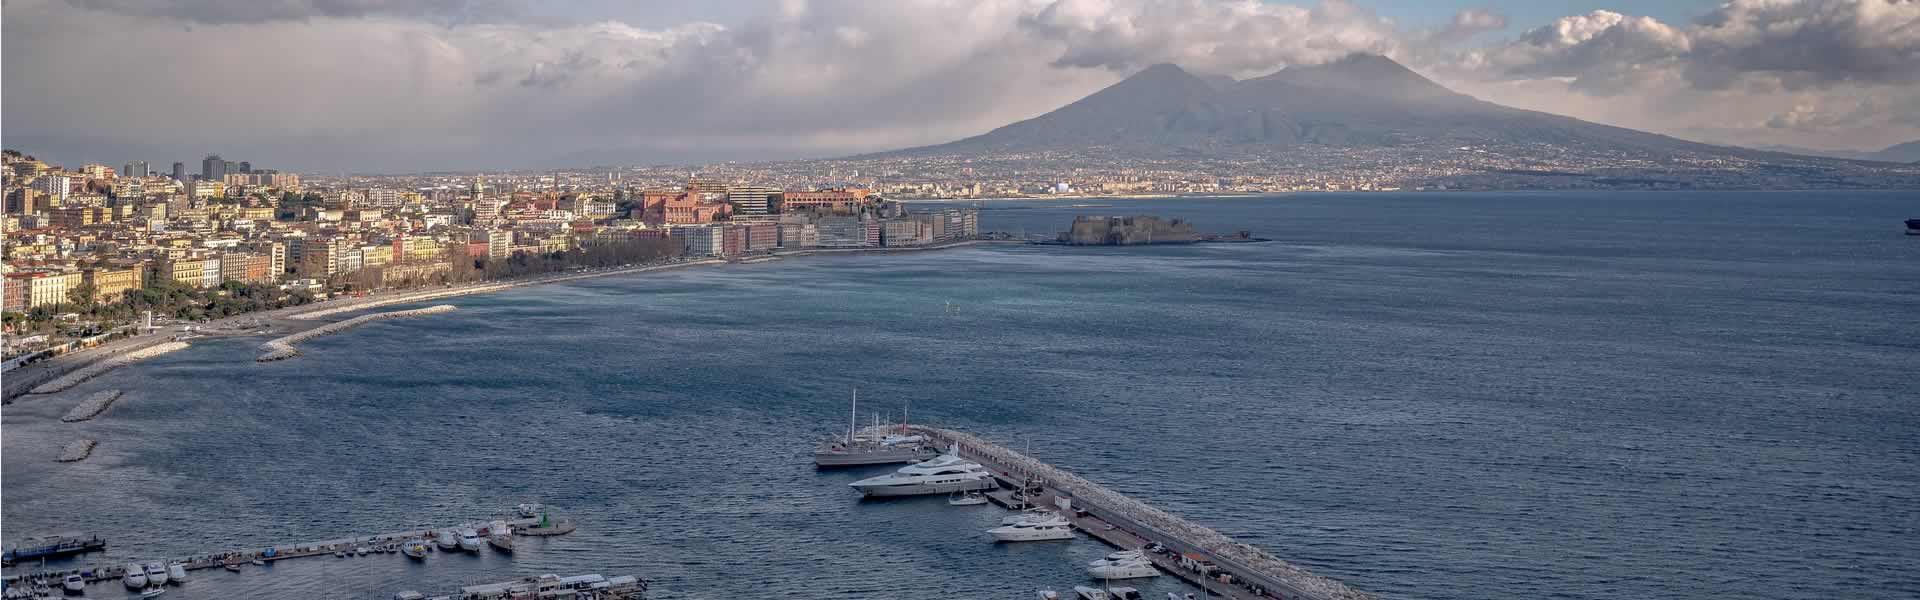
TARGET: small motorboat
(1090,593)
(339,554)
(156,574)
(152,591)
(258,563)
(469,540)
(361,551)
(232,566)
(1124,593)
(136,577)
(177,572)
(1047,595)
(73,582)
(973,498)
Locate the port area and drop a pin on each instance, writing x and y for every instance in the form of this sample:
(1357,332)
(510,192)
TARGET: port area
(376,543)
(1201,556)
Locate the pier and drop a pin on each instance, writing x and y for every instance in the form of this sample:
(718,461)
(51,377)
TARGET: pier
(1223,566)
(80,375)
(282,348)
(92,406)
(339,547)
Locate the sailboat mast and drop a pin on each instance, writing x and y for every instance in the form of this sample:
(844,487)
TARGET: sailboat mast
(853,417)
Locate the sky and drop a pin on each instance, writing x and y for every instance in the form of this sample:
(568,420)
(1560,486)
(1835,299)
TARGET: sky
(385,86)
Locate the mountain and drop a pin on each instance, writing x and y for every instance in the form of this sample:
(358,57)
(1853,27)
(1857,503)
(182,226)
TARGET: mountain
(1361,101)
(1907,152)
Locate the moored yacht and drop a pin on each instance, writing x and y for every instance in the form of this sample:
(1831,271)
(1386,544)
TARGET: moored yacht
(156,574)
(1089,593)
(177,573)
(469,540)
(74,583)
(944,474)
(446,540)
(1123,569)
(1033,531)
(500,536)
(872,446)
(136,576)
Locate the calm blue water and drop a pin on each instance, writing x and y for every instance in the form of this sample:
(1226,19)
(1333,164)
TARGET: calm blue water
(1429,396)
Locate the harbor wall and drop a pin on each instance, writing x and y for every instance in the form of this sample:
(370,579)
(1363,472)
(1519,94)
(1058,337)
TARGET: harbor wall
(282,348)
(1239,558)
(77,376)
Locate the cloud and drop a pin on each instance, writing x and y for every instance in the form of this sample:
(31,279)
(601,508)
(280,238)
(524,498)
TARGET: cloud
(1234,38)
(1469,23)
(389,86)
(260,11)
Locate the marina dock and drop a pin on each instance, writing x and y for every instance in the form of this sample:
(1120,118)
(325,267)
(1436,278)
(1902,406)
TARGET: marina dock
(1199,555)
(339,547)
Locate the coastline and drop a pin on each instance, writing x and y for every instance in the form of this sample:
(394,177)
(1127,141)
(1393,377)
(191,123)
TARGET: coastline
(295,319)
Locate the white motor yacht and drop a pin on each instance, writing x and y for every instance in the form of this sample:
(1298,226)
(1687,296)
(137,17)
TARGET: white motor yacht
(944,474)
(73,582)
(1033,531)
(469,540)
(1030,515)
(136,576)
(1090,593)
(1124,593)
(156,574)
(1047,595)
(1121,556)
(177,573)
(446,540)
(1124,569)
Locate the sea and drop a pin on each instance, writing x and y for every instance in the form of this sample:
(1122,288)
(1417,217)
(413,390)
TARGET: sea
(1425,395)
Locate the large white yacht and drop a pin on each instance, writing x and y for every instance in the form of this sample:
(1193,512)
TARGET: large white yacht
(1123,569)
(942,474)
(135,577)
(1033,531)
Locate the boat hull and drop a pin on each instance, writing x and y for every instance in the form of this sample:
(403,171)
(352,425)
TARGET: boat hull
(922,489)
(1130,571)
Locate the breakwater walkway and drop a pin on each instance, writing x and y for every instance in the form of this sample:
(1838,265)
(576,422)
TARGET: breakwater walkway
(1200,554)
(77,376)
(282,348)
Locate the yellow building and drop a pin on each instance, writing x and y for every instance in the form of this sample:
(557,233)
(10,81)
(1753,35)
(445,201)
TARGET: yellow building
(110,284)
(188,271)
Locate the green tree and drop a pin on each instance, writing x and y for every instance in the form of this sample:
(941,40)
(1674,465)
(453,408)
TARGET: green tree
(83,295)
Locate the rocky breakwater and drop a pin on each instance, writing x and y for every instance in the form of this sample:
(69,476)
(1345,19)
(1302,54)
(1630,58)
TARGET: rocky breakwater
(106,364)
(282,348)
(1246,559)
(76,451)
(92,406)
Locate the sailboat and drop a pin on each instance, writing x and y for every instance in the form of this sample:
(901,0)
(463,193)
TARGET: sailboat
(873,447)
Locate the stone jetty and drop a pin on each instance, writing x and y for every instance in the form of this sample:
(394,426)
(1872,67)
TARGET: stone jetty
(76,451)
(1243,561)
(282,348)
(106,364)
(92,406)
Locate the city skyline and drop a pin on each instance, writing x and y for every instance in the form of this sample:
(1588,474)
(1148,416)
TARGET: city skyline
(502,85)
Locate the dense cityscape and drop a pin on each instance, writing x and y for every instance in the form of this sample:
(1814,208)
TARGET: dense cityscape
(91,248)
